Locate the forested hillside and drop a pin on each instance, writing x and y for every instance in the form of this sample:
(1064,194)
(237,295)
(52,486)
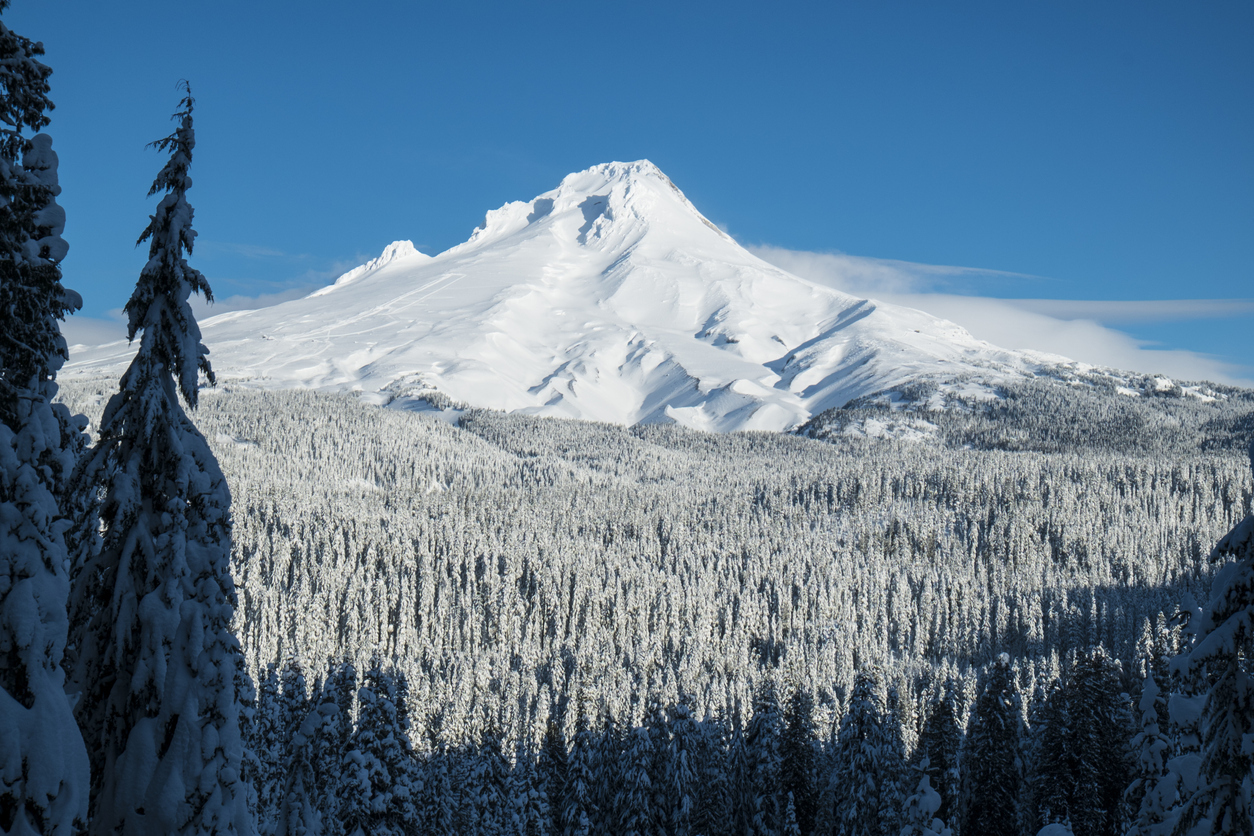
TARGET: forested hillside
(509,561)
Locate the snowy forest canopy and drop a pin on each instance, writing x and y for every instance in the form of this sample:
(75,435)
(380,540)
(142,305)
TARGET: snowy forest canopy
(522,579)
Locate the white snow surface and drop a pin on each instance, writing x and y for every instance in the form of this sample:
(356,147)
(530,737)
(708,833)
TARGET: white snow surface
(609,298)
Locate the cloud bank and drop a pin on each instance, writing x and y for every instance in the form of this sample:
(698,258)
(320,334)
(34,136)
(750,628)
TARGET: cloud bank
(1079,329)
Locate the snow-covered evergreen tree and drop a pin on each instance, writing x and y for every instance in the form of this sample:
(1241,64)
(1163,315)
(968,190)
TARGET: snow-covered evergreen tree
(635,792)
(332,739)
(1223,654)
(989,763)
(743,797)
(487,788)
(1148,808)
(551,770)
(939,742)
(611,765)
(294,699)
(528,811)
(763,740)
(864,770)
(385,786)
(298,813)
(799,765)
(269,744)
(1083,758)
(159,671)
(440,799)
(1145,794)
(711,813)
(790,828)
(657,726)
(681,779)
(43,763)
(579,809)
(919,817)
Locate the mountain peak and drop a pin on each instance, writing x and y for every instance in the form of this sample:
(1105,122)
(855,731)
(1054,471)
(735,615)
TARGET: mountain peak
(608,298)
(611,202)
(394,252)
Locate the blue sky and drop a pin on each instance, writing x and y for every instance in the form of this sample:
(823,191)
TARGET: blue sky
(1069,151)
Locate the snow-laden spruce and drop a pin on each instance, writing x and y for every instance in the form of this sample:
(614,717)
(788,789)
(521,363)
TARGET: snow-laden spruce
(1223,657)
(990,763)
(43,763)
(160,669)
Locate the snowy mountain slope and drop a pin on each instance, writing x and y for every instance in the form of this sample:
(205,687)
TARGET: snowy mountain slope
(608,298)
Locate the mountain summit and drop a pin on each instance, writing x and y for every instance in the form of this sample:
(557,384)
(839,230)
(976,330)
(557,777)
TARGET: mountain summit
(609,298)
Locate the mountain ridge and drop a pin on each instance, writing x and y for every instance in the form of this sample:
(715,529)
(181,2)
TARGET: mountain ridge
(612,298)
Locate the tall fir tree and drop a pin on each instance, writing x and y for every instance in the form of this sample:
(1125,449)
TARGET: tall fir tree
(269,743)
(939,742)
(799,758)
(440,799)
(43,762)
(1083,759)
(552,768)
(611,764)
(763,740)
(1145,795)
(990,759)
(488,787)
(634,795)
(333,735)
(384,785)
(712,811)
(743,795)
(298,813)
(864,772)
(681,781)
(160,669)
(579,805)
(1223,656)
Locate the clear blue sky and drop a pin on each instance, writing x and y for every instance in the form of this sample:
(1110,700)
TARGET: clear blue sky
(1107,148)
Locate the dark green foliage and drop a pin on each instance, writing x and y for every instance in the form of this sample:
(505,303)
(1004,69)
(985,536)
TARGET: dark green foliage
(799,762)
(1083,759)
(763,740)
(939,743)
(1223,658)
(158,307)
(990,767)
(863,785)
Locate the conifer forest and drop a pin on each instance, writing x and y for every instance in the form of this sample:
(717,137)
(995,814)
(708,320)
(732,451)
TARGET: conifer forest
(230,610)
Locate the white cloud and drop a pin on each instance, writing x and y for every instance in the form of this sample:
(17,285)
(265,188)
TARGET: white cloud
(864,276)
(240,302)
(1145,310)
(90,330)
(1073,328)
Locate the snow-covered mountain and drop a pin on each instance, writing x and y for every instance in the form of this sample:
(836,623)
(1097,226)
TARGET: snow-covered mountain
(609,298)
